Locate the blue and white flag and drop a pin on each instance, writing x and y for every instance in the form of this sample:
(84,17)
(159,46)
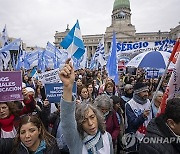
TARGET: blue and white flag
(10,45)
(4,37)
(100,54)
(50,50)
(80,63)
(41,61)
(20,61)
(73,42)
(112,67)
(32,57)
(5,56)
(93,63)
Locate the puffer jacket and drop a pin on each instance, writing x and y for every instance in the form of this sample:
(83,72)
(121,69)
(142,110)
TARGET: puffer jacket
(157,129)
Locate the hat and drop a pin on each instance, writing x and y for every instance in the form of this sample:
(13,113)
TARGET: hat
(29,89)
(140,87)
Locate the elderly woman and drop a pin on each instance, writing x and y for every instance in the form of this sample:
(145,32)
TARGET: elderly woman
(156,103)
(105,105)
(85,123)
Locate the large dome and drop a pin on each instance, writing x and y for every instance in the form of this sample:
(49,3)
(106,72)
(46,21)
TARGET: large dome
(121,3)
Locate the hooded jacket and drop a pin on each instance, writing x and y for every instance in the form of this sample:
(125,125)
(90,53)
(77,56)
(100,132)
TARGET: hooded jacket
(159,131)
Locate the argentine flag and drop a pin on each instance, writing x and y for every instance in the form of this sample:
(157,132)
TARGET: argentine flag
(99,54)
(73,42)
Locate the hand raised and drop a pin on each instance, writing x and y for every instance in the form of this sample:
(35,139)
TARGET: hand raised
(67,74)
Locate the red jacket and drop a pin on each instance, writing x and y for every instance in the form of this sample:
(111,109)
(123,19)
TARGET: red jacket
(112,125)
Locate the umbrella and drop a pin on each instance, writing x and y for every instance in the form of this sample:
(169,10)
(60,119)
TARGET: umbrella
(152,59)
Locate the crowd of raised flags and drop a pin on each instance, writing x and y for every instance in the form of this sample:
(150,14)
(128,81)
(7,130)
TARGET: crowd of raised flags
(51,56)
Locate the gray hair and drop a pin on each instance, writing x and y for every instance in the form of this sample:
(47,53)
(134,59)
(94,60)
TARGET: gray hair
(158,93)
(80,116)
(104,101)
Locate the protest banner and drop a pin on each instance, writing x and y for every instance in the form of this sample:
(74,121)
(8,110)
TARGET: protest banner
(49,77)
(151,73)
(54,91)
(10,86)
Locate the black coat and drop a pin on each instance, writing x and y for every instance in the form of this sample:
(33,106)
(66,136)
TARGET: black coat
(157,128)
(6,145)
(49,149)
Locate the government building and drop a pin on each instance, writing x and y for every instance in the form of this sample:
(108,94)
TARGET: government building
(125,31)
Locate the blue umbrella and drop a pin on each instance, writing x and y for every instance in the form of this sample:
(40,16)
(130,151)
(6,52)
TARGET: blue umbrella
(152,59)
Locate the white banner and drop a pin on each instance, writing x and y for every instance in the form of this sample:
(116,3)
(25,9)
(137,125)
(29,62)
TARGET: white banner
(49,77)
(138,47)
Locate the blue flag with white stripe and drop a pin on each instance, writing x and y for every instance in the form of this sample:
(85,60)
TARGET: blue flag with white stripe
(112,61)
(73,42)
(4,36)
(100,54)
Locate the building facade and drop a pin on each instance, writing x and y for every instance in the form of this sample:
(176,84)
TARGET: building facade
(125,31)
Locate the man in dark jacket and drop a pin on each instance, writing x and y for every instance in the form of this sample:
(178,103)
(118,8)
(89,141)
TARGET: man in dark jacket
(163,132)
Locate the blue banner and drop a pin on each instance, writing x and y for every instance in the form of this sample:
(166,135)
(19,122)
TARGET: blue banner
(54,91)
(152,74)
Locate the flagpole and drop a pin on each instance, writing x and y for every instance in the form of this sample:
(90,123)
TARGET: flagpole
(160,82)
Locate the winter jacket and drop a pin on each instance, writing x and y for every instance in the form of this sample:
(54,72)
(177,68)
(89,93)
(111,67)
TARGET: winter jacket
(6,145)
(42,149)
(157,129)
(69,128)
(8,124)
(112,125)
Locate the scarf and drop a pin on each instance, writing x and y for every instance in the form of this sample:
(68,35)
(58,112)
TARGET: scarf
(91,141)
(129,95)
(7,124)
(138,99)
(160,121)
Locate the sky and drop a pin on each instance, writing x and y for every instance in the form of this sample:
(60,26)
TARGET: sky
(36,21)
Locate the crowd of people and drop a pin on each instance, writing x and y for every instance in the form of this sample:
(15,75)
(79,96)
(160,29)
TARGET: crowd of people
(103,118)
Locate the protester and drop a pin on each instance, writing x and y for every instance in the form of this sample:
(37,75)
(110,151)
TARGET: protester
(92,91)
(164,131)
(138,113)
(105,105)
(9,114)
(31,137)
(156,103)
(119,112)
(83,94)
(127,96)
(86,125)
(109,89)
